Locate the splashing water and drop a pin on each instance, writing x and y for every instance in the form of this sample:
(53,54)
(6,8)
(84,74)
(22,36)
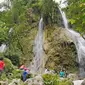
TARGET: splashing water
(38,48)
(78,82)
(2,48)
(78,41)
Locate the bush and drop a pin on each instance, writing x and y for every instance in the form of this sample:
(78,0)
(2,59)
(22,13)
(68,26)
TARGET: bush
(65,82)
(8,65)
(14,59)
(3,76)
(17,73)
(50,79)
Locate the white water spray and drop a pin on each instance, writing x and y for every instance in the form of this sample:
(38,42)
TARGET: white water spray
(3,48)
(78,82)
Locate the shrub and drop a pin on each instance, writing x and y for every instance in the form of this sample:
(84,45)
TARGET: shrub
(14,59)
(8,65)
(17,73)
(3,77)
(50,79)
(65,82)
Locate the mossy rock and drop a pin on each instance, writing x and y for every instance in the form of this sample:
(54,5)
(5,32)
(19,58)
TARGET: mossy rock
(59,49)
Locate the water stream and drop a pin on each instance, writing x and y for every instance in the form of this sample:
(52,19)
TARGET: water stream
(3,8)
(38,48)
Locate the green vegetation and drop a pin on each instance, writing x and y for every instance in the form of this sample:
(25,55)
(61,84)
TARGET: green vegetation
(76,14)
(60,50)
(50,79)
(24,17)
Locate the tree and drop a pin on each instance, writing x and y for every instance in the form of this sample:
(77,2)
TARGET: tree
(3,32)
(76,14)
(48,10)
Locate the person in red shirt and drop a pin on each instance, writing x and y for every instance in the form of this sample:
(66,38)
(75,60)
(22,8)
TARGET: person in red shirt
(2,64)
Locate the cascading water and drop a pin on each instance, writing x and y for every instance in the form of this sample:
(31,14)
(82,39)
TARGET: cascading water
(5,5)
(3,45)
(78,41)
(7,2)
(38,48)
(3,48)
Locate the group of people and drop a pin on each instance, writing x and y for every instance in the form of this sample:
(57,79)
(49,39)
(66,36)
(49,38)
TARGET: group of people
(25,72)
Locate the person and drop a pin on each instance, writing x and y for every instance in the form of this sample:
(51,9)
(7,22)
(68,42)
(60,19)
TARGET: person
(62,73)
(2,65)
(24,75)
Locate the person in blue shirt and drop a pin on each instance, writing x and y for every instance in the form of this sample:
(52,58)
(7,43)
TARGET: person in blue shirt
(62,73)
(24,75)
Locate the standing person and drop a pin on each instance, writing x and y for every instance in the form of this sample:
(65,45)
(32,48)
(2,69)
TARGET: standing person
(24,75)
(62,74)
(2,65)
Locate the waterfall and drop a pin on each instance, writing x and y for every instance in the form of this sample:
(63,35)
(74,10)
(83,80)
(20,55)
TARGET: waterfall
(38,48)
(5,5)
(7,2)
(3,46)
(78,41)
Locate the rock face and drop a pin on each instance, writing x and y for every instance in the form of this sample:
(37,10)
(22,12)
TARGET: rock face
(59,49)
